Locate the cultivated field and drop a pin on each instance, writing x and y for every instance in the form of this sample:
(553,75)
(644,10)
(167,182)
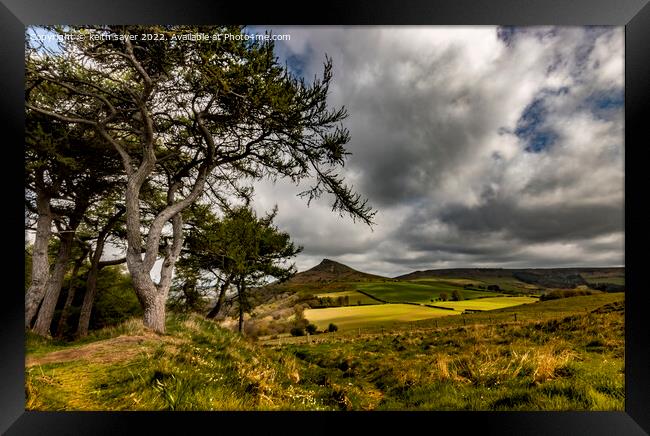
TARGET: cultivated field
(353,317)
(422,292)
(490,303)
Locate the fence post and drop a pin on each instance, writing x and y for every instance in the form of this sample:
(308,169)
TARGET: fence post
(515,317)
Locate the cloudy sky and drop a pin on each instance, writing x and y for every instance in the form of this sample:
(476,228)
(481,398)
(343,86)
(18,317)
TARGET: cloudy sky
(478,146)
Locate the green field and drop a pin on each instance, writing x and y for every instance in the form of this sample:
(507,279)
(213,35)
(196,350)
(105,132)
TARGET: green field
(353,317)
(354,296)
(508,284)
(421,292)
(491,303)
(595,279)
(536,312)
(455,283)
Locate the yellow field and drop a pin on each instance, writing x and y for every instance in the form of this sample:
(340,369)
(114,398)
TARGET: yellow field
(352,317)
(487,303)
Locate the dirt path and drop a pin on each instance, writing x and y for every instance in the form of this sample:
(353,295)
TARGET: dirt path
(106,351)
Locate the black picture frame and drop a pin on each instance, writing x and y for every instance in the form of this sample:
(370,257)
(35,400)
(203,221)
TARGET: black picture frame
(633,14)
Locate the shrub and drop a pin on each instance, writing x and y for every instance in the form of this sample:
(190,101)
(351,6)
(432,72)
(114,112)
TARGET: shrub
(607,287)
(297,331)
(564,293)
(332,328)
(115,302)
(311,329)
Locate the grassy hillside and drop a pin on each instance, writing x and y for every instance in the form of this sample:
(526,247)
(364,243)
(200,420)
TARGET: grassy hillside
(528,279)
(333,279)
(570,358)
(418,292)
(196,366)
(571,363)
(354,297)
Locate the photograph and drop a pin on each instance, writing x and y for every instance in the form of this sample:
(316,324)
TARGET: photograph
(324,218)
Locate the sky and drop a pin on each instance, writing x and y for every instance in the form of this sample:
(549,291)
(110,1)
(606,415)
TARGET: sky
(478,147)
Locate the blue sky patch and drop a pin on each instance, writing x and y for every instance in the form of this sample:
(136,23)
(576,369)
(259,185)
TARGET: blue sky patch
(531,129)
(605,104)
(296,65)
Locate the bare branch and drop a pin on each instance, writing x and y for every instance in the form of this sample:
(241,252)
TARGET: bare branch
(60,117)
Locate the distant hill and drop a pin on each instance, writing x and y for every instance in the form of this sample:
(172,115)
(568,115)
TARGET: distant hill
(545,277)
(332,271)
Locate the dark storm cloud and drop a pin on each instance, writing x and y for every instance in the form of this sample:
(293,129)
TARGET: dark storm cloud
(494,234)
(536,225)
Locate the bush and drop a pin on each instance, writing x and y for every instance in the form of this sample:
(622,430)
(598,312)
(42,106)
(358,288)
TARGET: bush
(456,296)
(297,331)
(564,293)
(116,300)
(311,329)
(607,287)
(332,328)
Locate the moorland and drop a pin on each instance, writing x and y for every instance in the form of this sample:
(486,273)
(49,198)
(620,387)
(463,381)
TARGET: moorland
(334,338)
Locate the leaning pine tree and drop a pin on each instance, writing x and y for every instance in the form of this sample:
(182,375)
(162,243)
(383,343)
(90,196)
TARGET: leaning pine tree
(188,116)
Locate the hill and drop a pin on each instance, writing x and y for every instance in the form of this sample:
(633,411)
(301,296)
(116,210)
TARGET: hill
(332,271)
(278,299)
(543,277)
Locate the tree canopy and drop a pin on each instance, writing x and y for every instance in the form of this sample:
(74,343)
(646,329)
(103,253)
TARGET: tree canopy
(195,122)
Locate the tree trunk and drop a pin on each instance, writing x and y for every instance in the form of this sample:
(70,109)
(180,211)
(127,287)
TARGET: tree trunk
(152,297)
(190,293)
(89,300)
(71,292)
(154,312)
(222,295)
(240,292)
(93,273)
(40,260)
(241,317)
(87,305)
(54,284)
(91,294)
